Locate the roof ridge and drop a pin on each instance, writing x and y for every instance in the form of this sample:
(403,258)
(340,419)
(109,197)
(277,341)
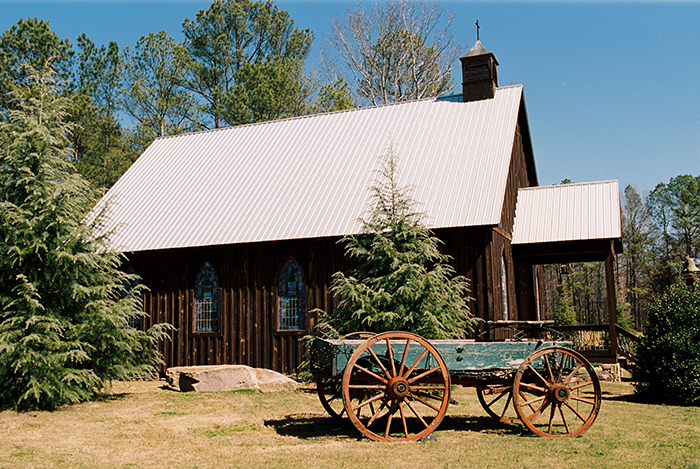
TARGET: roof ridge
(308,116)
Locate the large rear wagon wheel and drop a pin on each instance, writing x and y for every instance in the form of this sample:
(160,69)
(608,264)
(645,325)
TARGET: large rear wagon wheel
(556,393)
(400,393)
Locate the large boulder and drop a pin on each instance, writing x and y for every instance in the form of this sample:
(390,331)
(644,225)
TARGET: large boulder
(213,378)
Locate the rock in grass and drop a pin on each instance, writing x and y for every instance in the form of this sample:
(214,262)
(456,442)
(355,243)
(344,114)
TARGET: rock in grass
(212,378)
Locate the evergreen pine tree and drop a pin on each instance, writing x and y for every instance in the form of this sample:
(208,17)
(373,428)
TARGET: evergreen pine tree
(64,303)
(402,281)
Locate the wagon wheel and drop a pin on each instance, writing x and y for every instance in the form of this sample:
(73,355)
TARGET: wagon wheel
(329,389)
(556,393)
(496,401)
(400,392)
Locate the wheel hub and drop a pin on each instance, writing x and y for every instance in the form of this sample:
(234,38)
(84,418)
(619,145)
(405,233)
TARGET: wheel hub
(398,387)
(559,393)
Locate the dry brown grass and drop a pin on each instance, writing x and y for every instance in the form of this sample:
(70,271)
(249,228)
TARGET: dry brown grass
(144,425)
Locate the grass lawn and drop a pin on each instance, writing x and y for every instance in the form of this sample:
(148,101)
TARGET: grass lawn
(145,425)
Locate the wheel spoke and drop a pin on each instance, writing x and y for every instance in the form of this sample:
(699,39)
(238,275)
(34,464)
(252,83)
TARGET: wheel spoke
(561,366)
(551,419)
(403,358)
(426,403)
(537,399)
(505,407)
(575,412)
(496,399)
(563,417)
(391,357)
(529,404)
(367,402)
(581,385)
(366,386)
(544,381)
(571,375)
(532,386)
(423,375)
(389,418)
(428,388)
(549,370)
(372,374)
(403,419)
(410,370)
(379,362)
(580,399)
(408,403)
(376,414)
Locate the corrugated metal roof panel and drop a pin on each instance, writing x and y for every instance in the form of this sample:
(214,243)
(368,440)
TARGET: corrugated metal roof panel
(309,177)
(568,212)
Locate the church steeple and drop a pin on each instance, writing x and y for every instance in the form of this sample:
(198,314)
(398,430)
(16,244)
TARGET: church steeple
(479,77)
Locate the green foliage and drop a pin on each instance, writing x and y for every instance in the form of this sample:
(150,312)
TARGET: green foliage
(564,314)
(668,359)
(63,327)
(334,97)
(29,44)
(675,211)
(154,70)
(101,152)
(235,45)
(402,281)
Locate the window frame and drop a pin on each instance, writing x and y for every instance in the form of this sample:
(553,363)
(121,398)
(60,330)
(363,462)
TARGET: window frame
(300,288)
(207,268)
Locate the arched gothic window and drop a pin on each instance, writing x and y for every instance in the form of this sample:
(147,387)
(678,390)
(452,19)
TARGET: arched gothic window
(291,290)
(206,298)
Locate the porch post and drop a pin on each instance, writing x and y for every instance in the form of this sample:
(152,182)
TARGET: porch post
(612,301)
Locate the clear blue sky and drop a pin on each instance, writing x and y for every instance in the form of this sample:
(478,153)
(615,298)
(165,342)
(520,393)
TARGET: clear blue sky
(612,89)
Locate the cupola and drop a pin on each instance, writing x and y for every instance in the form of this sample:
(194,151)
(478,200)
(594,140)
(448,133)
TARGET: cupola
(479,78)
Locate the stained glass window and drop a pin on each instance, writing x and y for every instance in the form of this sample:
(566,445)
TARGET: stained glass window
(292,296)
(206,297)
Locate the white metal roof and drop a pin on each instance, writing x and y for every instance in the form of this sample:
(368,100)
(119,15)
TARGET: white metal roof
(308,177)
(568,212)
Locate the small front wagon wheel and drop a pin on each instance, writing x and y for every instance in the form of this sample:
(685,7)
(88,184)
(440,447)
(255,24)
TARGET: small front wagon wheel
(496,401)
(330,394)
(396,387)
(556,393)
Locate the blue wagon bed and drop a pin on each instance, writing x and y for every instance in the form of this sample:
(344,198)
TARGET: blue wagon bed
(396,385)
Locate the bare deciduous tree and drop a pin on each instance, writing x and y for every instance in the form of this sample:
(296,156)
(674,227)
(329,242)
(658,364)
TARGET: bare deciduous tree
(397,51)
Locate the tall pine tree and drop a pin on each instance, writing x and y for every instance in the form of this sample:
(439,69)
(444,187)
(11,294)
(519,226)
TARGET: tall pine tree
(64,303)
(402,281)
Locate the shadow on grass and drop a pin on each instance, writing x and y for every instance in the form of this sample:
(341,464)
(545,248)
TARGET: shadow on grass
(311,426)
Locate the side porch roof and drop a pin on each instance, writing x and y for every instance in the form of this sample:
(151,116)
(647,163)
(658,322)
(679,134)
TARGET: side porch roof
(568,222)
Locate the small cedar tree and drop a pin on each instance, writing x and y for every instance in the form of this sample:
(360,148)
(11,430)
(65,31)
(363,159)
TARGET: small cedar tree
(402,281)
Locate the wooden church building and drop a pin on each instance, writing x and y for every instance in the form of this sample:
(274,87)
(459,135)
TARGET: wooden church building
(235,231)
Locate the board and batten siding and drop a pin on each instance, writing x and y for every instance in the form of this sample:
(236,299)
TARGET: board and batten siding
(248,325)
(248,309)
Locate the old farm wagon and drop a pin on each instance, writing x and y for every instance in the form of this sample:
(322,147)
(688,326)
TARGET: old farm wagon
(395,386)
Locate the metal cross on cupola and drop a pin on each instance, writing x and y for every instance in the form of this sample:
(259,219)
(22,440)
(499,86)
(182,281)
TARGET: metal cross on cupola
(477,30)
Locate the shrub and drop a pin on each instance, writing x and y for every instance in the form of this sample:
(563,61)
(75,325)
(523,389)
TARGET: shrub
(64,304)
(668,361)
(402,281)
